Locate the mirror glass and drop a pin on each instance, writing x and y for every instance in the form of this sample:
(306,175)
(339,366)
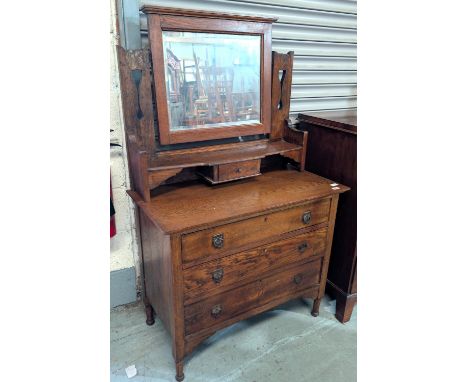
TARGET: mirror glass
(212,79)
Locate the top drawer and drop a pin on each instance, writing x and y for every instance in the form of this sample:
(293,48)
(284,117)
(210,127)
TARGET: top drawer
(231,236)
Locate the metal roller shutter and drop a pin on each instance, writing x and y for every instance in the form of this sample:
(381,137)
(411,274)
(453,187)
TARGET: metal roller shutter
(322,34)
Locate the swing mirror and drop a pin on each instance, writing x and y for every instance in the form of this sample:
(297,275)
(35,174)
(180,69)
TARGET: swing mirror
(212,76)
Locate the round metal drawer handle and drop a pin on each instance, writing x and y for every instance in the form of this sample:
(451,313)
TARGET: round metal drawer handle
(306,217)
(217,275)
(218,240)
(298,279)
(216,310)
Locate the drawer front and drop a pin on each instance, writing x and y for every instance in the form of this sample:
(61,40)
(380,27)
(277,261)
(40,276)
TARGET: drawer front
(212,276)
(231,171)
(216,309)
(231,236)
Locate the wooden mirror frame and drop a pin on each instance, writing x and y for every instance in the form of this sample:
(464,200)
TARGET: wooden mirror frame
(172,19)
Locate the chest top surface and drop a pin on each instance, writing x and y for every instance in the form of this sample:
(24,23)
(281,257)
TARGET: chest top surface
(197,205)
(343,120)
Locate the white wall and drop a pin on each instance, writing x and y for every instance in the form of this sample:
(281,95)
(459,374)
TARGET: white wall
(124,251)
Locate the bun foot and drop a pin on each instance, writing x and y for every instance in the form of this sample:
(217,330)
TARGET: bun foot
(150,322)
(149,313)
(179,370)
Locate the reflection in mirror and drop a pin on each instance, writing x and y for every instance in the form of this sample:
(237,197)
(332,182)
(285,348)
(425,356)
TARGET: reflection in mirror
(212,80)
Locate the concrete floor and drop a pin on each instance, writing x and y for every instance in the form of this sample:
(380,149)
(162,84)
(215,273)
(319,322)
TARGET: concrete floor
(284,344)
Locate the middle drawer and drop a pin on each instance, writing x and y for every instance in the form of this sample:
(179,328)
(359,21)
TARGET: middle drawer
(213,276)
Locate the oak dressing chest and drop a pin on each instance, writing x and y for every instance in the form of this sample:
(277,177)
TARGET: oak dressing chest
(230,223)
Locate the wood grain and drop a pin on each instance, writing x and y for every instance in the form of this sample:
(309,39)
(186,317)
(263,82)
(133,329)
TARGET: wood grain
(262,291)
(281,92)
(220,154)
(205,14)
(237,170)
(193,206)
(199,244)
(199,281)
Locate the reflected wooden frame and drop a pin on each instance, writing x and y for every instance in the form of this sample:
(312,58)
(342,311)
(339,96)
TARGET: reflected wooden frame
(165,19)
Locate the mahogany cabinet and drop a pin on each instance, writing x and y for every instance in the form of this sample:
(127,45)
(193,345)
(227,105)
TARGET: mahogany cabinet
(332,153)
(230,223)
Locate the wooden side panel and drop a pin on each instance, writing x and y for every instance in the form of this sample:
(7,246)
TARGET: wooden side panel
(201,244)
(137,98)
(281,79)
(135,82)
(218,308)
(218,275)
(298,137)
(158,271)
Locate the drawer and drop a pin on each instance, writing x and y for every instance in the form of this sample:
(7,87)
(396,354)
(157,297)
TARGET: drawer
(230,171)
(211,277)
(216,309)
(234,235)
(238,170)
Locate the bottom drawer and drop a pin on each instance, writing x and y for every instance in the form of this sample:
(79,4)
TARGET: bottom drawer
(221,307)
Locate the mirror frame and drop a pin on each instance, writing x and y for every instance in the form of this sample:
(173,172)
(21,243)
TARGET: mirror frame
(192,21)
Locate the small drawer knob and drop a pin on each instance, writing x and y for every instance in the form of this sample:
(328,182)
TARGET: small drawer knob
(216,310)
(218,240)
(217,275)
(298,279)
(302,247)
(306,217)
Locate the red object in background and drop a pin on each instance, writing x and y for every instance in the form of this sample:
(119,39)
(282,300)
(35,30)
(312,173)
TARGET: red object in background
(113,229)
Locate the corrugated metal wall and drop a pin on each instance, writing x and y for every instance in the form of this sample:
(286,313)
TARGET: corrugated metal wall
(321,33)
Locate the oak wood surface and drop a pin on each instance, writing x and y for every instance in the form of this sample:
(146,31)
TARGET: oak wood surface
(158,275)
(197,205)
(200,281)
(281,94)
(200,315)
(192,340)
(236,170)
(206,14)
(199,244)
(219,155)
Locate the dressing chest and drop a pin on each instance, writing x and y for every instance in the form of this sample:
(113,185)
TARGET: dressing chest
(230,223)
